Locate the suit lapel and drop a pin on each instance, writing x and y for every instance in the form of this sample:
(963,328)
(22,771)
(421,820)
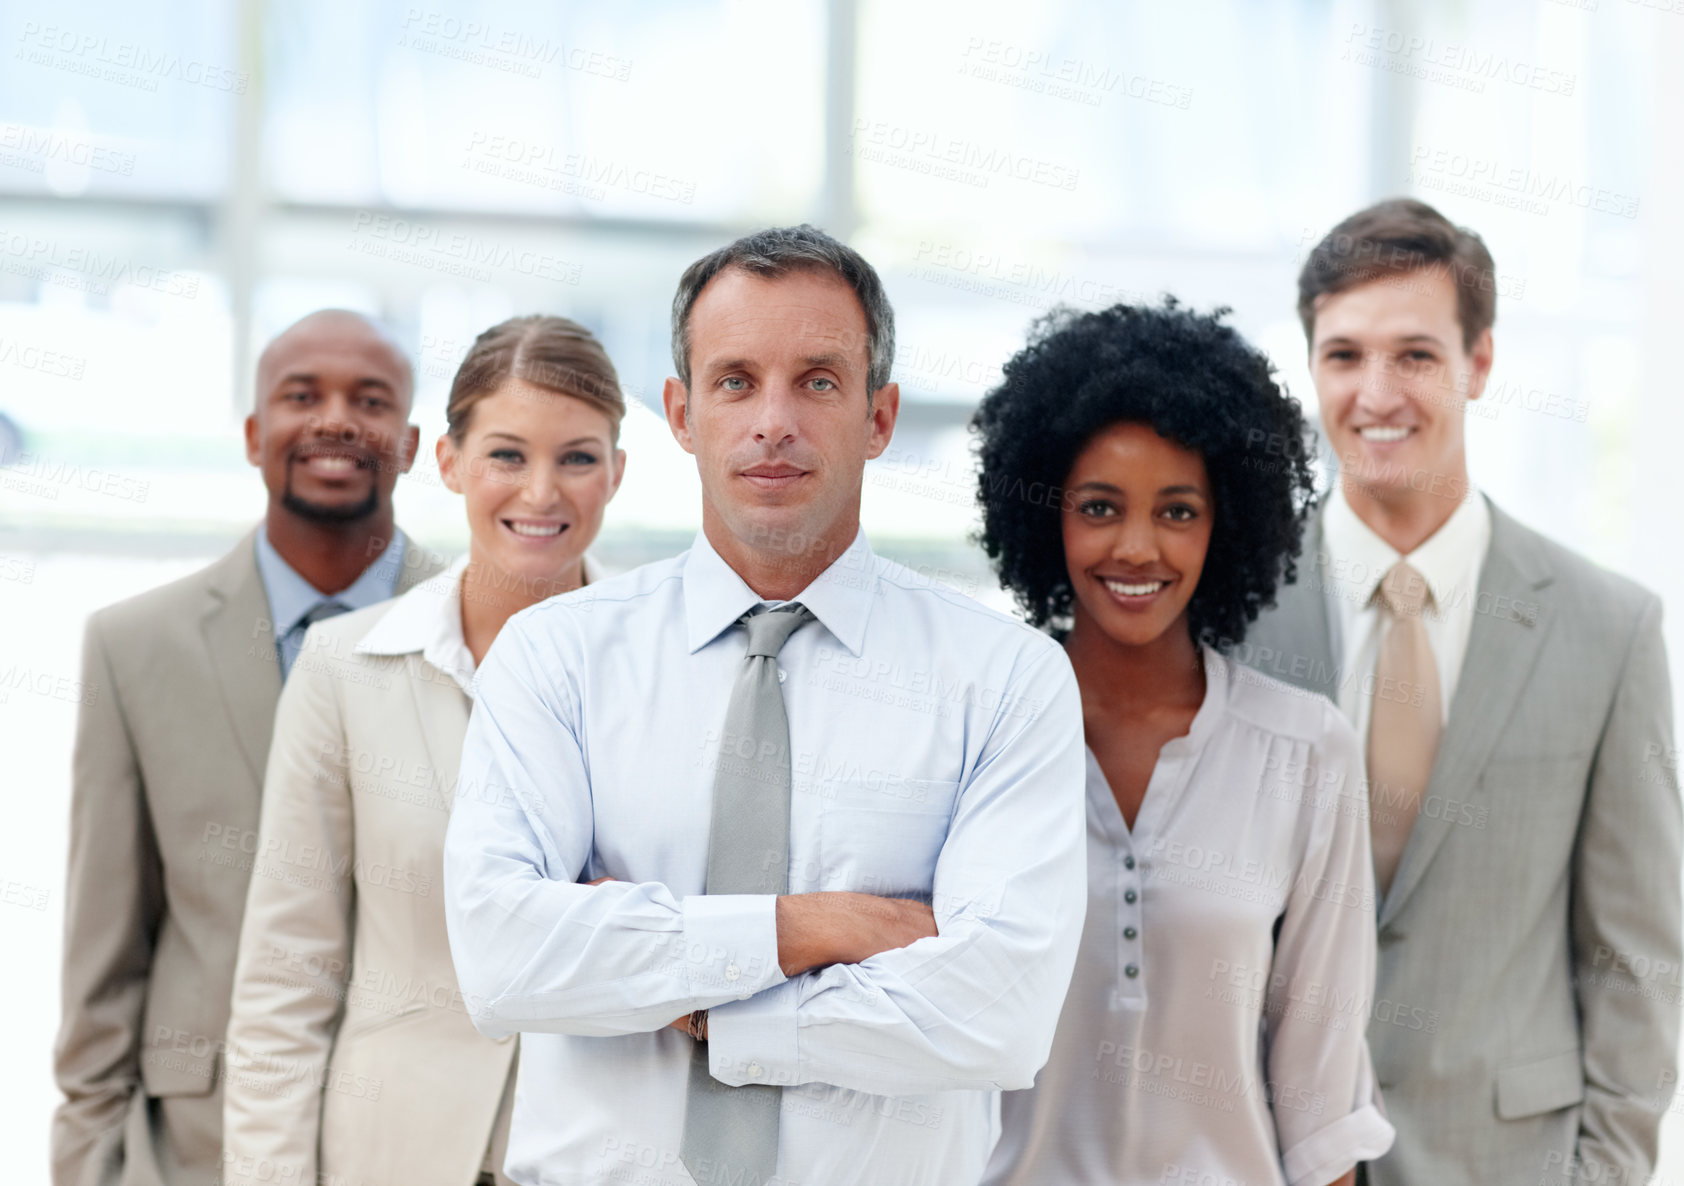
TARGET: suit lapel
(241,643)
(1503,647)
(240,638)
(1303,619)
(417,566)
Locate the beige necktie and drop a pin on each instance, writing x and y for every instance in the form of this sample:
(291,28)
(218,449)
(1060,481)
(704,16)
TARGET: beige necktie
(1405,719)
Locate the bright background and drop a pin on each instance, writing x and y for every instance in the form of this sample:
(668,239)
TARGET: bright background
(179,180)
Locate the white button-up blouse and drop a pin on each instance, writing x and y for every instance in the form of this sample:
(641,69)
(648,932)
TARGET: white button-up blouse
(1214,1029)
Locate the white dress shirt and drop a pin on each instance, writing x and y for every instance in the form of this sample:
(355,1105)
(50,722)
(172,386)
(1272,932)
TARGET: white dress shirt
(936,753)
(1214,1029)
(1358,559)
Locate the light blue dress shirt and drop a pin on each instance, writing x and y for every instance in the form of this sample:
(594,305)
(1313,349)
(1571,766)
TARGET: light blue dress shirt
(937,753)
(291,596)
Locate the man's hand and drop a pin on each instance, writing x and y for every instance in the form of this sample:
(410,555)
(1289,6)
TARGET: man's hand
(815,930)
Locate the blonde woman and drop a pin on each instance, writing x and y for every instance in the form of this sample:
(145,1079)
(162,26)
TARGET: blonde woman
(352,1054)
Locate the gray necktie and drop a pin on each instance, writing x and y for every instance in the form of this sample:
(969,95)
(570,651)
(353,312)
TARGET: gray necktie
(292,642)
(731,1133)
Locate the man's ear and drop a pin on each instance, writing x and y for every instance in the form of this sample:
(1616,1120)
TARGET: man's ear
(675,398)
(254,442)
(885,409)
(1482,355)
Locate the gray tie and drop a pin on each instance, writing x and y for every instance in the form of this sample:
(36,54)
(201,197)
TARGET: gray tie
(731,1133)
(292,642)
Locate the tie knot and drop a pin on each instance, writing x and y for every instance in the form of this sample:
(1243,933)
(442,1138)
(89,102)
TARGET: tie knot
(768,631)
(327,608)
(1404,591)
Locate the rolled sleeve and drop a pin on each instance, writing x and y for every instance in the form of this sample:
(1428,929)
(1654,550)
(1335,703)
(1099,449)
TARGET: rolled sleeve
(1322,1156)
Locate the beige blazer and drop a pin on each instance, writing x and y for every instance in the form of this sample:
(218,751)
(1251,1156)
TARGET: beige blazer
(169,752)
(352,1051)
(1526,1012)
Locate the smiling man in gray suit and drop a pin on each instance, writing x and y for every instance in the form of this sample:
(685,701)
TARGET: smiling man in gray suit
(1515,705)
(170,750)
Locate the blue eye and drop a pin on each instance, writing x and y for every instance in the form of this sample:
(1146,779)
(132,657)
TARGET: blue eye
(730,379)
(511,456)
(828,385)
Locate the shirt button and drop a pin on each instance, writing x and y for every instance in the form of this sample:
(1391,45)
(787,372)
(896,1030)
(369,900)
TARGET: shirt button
(1128,862)
(732,972)
(782,675)
(1131,971)
(1130,897)
(755,1070)
(1129,932)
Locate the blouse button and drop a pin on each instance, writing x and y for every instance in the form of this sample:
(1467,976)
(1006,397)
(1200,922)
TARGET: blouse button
(1129,932)
(1130,897)
(1128,862)
(1131,971)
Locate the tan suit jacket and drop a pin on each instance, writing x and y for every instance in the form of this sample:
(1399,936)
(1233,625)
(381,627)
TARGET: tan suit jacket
(353,1054)
(1526,1015)
(166,782)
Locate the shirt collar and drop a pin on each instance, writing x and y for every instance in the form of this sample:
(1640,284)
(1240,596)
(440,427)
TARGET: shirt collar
(840,596)
(291,596)
(1444,559)
(428,620)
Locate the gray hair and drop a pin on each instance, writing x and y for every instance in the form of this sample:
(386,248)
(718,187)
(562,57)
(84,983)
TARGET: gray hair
(778,251)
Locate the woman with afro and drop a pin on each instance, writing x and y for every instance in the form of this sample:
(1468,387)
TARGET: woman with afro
(1144,487)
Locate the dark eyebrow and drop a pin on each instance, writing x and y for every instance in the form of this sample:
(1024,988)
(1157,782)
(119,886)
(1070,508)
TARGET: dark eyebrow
(1107,486)
(833,360)
(1433,338)
(729,364)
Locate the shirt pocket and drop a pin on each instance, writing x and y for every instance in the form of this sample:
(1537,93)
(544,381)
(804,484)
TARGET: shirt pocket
(882,836)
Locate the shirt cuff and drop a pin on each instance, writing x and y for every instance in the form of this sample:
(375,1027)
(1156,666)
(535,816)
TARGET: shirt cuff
(753,1041)
(1328,1152)
(730,944)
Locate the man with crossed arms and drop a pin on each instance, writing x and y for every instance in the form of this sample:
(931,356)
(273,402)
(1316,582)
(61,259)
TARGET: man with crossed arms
(1523,785)
(830,812)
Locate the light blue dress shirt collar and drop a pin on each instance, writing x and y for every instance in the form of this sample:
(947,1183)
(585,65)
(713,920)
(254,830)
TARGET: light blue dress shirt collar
(840,597)
(291,596)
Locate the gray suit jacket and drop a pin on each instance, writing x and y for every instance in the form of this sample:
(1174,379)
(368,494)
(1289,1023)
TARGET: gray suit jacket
(1526,1010)
(169,757)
